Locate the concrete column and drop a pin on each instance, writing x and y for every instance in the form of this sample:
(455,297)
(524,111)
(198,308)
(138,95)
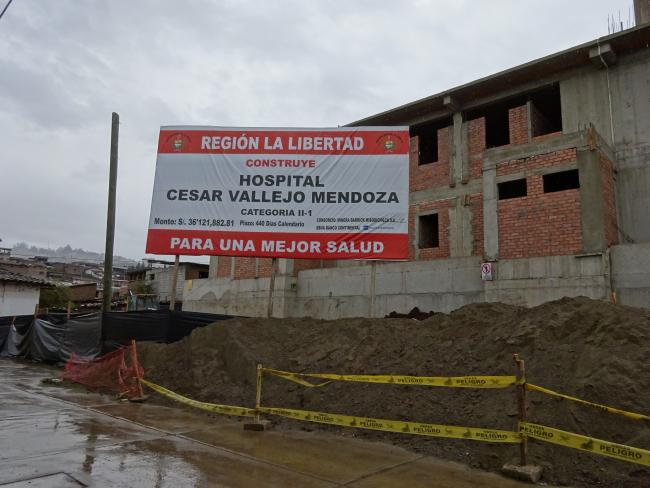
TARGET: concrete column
(460,228)
(285,266)
(592,210)
(458,153)
(490,214)
(214,266)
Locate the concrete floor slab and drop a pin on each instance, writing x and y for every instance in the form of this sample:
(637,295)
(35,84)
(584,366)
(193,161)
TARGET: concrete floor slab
(318,454)
(163,462)
(433,473)
(58,431)
(160,417)
(60,480)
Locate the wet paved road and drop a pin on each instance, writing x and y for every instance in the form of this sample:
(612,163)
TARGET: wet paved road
(53,436)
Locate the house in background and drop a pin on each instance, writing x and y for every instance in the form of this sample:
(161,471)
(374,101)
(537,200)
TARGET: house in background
(19,294)
(156,275)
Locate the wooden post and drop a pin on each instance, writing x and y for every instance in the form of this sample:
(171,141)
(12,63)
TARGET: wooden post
(136,369)
(521,406)
(274,265)
(172,300)
(258,393)
(36,311)
(69,310)
(257,425)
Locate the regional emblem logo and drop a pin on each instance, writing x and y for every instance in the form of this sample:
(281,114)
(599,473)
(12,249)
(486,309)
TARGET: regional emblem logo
(389,142)
(178,141)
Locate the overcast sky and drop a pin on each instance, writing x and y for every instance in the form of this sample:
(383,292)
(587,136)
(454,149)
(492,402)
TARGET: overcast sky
(66,65)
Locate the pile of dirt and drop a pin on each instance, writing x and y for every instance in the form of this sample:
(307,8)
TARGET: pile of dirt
(590,349)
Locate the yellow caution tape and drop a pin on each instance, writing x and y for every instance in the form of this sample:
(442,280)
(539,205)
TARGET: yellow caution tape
(210,407)
(618,411)
(444,381)
(432,430)
(584,443)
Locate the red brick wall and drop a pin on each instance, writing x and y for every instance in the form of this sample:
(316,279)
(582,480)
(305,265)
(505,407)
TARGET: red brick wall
(442,251)
(476,142)
(476,207)
(518,124)
(611,227)
(539,224)
(264,267)
(304,264)
(245,268)
(429,175)
(224,266)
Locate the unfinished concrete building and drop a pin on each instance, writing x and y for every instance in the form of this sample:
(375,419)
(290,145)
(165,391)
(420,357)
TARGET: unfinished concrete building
(542,170)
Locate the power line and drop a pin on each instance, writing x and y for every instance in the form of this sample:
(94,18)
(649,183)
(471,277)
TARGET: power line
(5,9)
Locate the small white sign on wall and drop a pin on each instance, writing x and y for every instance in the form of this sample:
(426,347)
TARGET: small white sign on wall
(486,272)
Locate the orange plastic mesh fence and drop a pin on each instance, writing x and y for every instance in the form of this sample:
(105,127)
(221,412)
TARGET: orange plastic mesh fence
(107,372)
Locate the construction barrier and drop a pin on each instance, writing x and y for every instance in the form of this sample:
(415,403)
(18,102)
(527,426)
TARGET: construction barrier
(442,381)
(210,407)
(402,427)
(584,443)
(525,429)
(605,408)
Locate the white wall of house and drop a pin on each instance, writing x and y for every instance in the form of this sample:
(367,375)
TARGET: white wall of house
(18,299)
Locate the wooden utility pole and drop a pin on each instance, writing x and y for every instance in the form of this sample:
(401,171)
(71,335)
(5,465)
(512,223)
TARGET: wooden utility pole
(274,265)
(110,216)
(172,296)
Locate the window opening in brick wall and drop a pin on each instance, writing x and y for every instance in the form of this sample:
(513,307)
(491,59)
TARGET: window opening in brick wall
(428,234)
(497,121)
(427,135)
(203,274)
(563,180)
(497,127)
(512,189)
(546,111)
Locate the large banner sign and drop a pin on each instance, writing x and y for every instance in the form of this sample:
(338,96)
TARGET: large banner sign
(290,193)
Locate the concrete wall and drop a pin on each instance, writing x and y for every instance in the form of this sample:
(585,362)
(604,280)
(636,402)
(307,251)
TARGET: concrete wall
(16,299)
(586,96)
(376,290)
(631,274)
(247,297)
(441,285)
(533,281)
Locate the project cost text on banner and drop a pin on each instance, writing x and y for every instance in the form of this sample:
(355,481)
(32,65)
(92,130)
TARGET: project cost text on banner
(277,192)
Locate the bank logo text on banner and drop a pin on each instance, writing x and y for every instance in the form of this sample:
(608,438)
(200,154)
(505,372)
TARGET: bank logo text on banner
(290,193)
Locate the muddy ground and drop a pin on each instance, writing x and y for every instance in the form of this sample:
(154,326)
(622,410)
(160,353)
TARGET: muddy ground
(591,349)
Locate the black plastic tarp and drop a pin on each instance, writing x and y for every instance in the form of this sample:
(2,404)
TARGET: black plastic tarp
(53,338)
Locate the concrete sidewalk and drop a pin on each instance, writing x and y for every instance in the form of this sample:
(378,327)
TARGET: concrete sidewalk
(53,436)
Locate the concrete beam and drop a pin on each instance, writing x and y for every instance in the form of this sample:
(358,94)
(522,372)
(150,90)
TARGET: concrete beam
(445,193)
(451,103)
(602,56)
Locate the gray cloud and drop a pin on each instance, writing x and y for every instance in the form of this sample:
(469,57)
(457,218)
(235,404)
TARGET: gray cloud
(65,65)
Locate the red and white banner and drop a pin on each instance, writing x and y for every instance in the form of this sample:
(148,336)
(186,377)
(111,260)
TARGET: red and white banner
(289,193)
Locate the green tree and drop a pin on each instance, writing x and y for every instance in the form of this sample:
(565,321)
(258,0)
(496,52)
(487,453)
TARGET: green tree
(56,297)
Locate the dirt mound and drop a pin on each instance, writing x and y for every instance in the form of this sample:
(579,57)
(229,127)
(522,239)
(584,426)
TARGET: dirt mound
(591,349)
